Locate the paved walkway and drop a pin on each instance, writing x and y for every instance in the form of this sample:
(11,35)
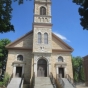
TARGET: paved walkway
(81,86)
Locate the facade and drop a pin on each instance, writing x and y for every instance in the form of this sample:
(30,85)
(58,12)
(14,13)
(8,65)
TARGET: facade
(85,63)
(40,51)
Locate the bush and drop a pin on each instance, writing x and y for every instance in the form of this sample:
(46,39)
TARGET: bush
(1,84)
(5,80)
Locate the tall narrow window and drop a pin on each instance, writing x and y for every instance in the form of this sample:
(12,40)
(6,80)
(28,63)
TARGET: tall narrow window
(42,10)
(39,38)
(45,38)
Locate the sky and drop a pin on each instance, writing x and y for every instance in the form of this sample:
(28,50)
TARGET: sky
(65,20)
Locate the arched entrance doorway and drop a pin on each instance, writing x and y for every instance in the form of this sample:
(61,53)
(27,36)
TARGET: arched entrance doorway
(42,68)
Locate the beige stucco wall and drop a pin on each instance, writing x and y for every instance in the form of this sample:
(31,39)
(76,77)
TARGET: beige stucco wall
(57,44)
(37,9)
(42,48)
(26,42)
(27,56)
(67,58)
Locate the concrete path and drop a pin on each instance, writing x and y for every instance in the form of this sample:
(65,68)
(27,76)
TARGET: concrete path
(15,82)
(82,85)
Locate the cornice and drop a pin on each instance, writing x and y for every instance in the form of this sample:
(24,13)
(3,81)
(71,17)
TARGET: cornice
(60,50)
(18,48)
(38,2)
(35,15)
(43,24)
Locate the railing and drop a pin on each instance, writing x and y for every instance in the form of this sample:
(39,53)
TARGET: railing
(32,84)
(71,80)
(59,78)
(52,80)
(9,80)
(21,83)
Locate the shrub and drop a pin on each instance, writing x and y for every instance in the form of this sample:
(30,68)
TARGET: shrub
(5,80)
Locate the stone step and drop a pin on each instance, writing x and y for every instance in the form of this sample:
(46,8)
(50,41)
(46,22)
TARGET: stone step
(43,82)
(44,86)
(67,83)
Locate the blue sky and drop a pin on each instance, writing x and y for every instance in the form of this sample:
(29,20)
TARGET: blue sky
(65,19)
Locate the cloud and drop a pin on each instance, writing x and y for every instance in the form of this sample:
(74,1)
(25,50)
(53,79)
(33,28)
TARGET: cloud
(61,36)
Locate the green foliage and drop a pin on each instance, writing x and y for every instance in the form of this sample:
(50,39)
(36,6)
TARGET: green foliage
(21,1)
(78,71)
(3,54)
(5,16)
(5,80)
(3,50)
(83,12)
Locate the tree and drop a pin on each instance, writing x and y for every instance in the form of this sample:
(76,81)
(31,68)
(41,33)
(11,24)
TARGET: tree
(3,53)
(78,71)
(5,16)
(83,12)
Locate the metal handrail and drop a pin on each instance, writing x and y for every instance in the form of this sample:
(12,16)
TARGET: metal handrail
(33,81)
(9,80)
(60,80)
(22,78)
(71,80)
(52,80)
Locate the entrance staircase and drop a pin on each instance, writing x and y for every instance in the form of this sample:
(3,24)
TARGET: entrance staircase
(15,83)
(67,84)
(42,82)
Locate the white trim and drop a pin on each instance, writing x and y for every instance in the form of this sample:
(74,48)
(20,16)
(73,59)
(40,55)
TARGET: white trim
(35,65)
(14,69)
(41,6)
(61,56)
(17,55)
(57,70)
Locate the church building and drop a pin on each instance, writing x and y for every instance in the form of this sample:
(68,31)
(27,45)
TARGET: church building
(39,51)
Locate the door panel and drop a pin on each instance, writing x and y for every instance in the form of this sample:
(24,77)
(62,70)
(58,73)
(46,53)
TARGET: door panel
(18,71)
(41,71)
(61,72)
(42,68)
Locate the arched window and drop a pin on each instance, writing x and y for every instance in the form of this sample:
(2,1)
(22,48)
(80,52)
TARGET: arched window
(45,38)
(42,10)
(60,59)
(39,38)
(20,58)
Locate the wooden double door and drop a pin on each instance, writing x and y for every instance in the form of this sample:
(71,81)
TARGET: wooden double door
(42,68)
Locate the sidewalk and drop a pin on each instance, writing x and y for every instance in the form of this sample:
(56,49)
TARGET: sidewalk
(81,86)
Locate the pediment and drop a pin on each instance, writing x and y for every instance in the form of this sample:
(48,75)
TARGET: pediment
(25,41)
(59,44)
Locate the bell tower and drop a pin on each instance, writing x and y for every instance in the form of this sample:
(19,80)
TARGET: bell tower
(42,26)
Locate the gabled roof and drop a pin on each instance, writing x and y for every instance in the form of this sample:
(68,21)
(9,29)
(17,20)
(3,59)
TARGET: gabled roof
(69,47)
(8,46)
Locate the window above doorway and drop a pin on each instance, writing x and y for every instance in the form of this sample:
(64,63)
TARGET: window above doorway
(20,57)
(60,59)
